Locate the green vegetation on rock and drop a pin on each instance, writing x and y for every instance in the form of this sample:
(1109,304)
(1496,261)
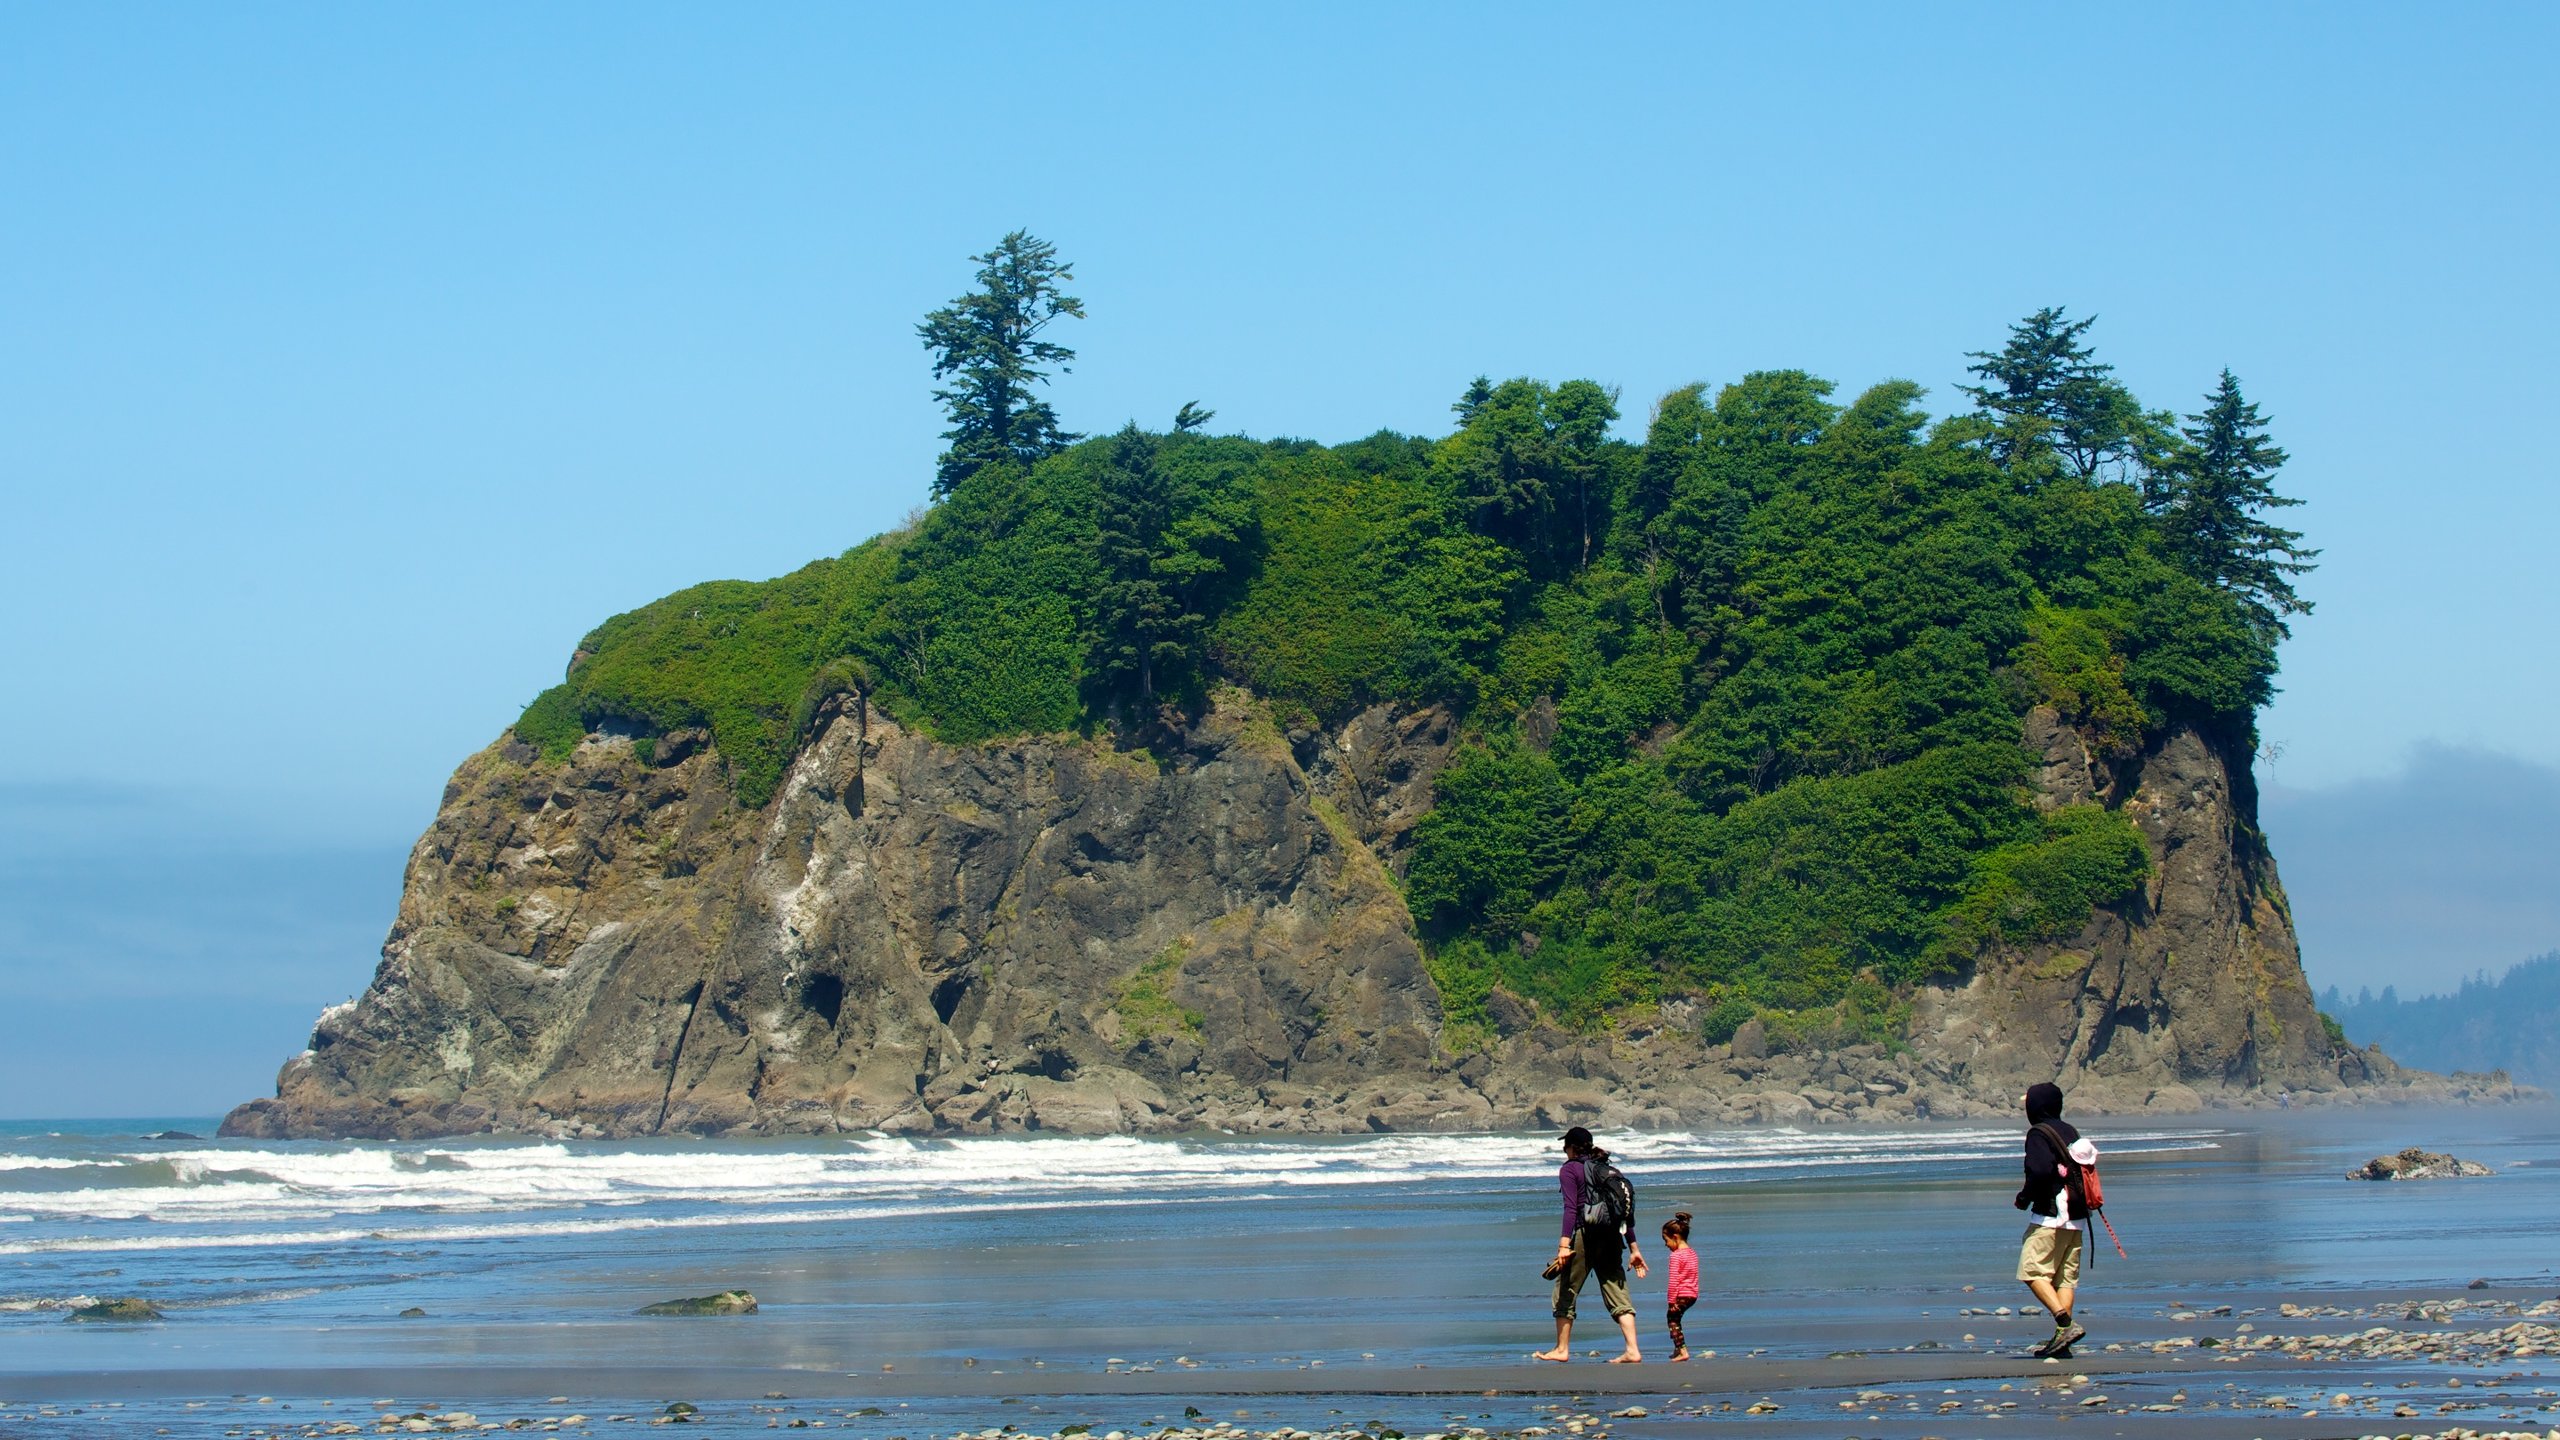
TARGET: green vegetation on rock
(1364,587)
(727,1302)
(982,632)
(1742,703)
(732,656)
(1145,1000)
(2045,886)
(126,1310)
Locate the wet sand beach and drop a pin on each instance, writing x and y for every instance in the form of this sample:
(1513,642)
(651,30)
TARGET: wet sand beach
(2326,1390)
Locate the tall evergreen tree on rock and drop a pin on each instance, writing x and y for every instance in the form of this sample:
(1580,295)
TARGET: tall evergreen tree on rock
(2050,396)
(988,342)
(2209,499)
(1167,535)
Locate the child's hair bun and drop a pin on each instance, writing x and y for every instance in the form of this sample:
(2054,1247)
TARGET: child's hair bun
(1680,1215)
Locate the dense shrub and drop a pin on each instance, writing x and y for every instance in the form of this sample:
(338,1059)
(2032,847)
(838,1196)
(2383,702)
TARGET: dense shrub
(2044,887)
(981,633)
(732,655)
(1495,840)
(1363,589)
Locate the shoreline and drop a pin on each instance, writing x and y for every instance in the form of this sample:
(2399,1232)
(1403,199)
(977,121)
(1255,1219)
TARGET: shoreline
(1740,1109)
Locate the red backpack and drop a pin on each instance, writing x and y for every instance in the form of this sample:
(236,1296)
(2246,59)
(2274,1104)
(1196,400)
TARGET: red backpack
(2082,1185)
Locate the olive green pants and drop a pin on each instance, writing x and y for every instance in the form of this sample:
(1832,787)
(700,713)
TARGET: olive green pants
(1595,1252)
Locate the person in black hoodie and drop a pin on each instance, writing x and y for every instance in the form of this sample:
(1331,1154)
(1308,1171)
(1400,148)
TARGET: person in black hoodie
(2049,1255)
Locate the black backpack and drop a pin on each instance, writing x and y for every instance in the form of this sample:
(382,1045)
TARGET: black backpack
(1608,1201)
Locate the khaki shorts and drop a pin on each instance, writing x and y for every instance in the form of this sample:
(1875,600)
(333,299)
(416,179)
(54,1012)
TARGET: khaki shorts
(1599,1255)
(2050,1255)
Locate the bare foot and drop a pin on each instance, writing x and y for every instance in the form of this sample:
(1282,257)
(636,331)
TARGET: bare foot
(1679,1355)
(1630,1358)
(1558,1356)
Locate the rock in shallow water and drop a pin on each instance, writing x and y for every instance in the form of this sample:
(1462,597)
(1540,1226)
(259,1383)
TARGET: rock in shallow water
(128,1308)
(2416,1164)
(727,1302)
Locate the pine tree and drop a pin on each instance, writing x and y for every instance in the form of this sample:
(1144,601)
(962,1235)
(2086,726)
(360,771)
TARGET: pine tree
(1134,612)
(2208,503)
(1479,394)
(990,339)
(1530,466)
(2049,395)
(1165,541)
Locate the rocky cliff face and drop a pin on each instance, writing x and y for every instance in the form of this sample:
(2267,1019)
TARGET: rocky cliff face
(1055,934)
(2193,986)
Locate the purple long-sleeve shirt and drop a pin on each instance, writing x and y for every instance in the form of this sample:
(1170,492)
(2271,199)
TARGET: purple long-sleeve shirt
(1569,1178)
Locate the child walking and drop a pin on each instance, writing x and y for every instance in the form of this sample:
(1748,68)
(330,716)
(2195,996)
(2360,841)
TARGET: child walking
(1681,1290)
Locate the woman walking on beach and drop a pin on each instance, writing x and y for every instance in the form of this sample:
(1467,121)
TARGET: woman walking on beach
(1599,1239)
(2049,1256)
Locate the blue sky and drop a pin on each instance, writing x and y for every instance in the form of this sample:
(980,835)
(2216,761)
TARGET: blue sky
(356,360)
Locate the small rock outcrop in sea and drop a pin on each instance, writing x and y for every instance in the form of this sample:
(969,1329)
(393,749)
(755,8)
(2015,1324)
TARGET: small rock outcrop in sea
(2416,1164)
(727,1302)
(129,1308)
(1058,935)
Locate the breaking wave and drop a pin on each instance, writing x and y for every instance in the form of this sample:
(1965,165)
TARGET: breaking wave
(257,1194)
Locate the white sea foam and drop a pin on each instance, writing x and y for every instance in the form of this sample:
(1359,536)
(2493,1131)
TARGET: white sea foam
(262,1196)
(20,1304)
(537,1229)
(258,1297)
(40,1162)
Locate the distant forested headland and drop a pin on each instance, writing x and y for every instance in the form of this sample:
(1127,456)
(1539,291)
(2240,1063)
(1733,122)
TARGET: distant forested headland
(2511,1023)
(1742,698)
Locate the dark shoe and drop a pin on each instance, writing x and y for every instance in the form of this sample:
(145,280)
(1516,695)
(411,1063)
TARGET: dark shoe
(2059,1347)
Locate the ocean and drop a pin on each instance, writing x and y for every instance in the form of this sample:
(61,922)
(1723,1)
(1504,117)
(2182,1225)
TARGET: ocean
(1197,1257)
